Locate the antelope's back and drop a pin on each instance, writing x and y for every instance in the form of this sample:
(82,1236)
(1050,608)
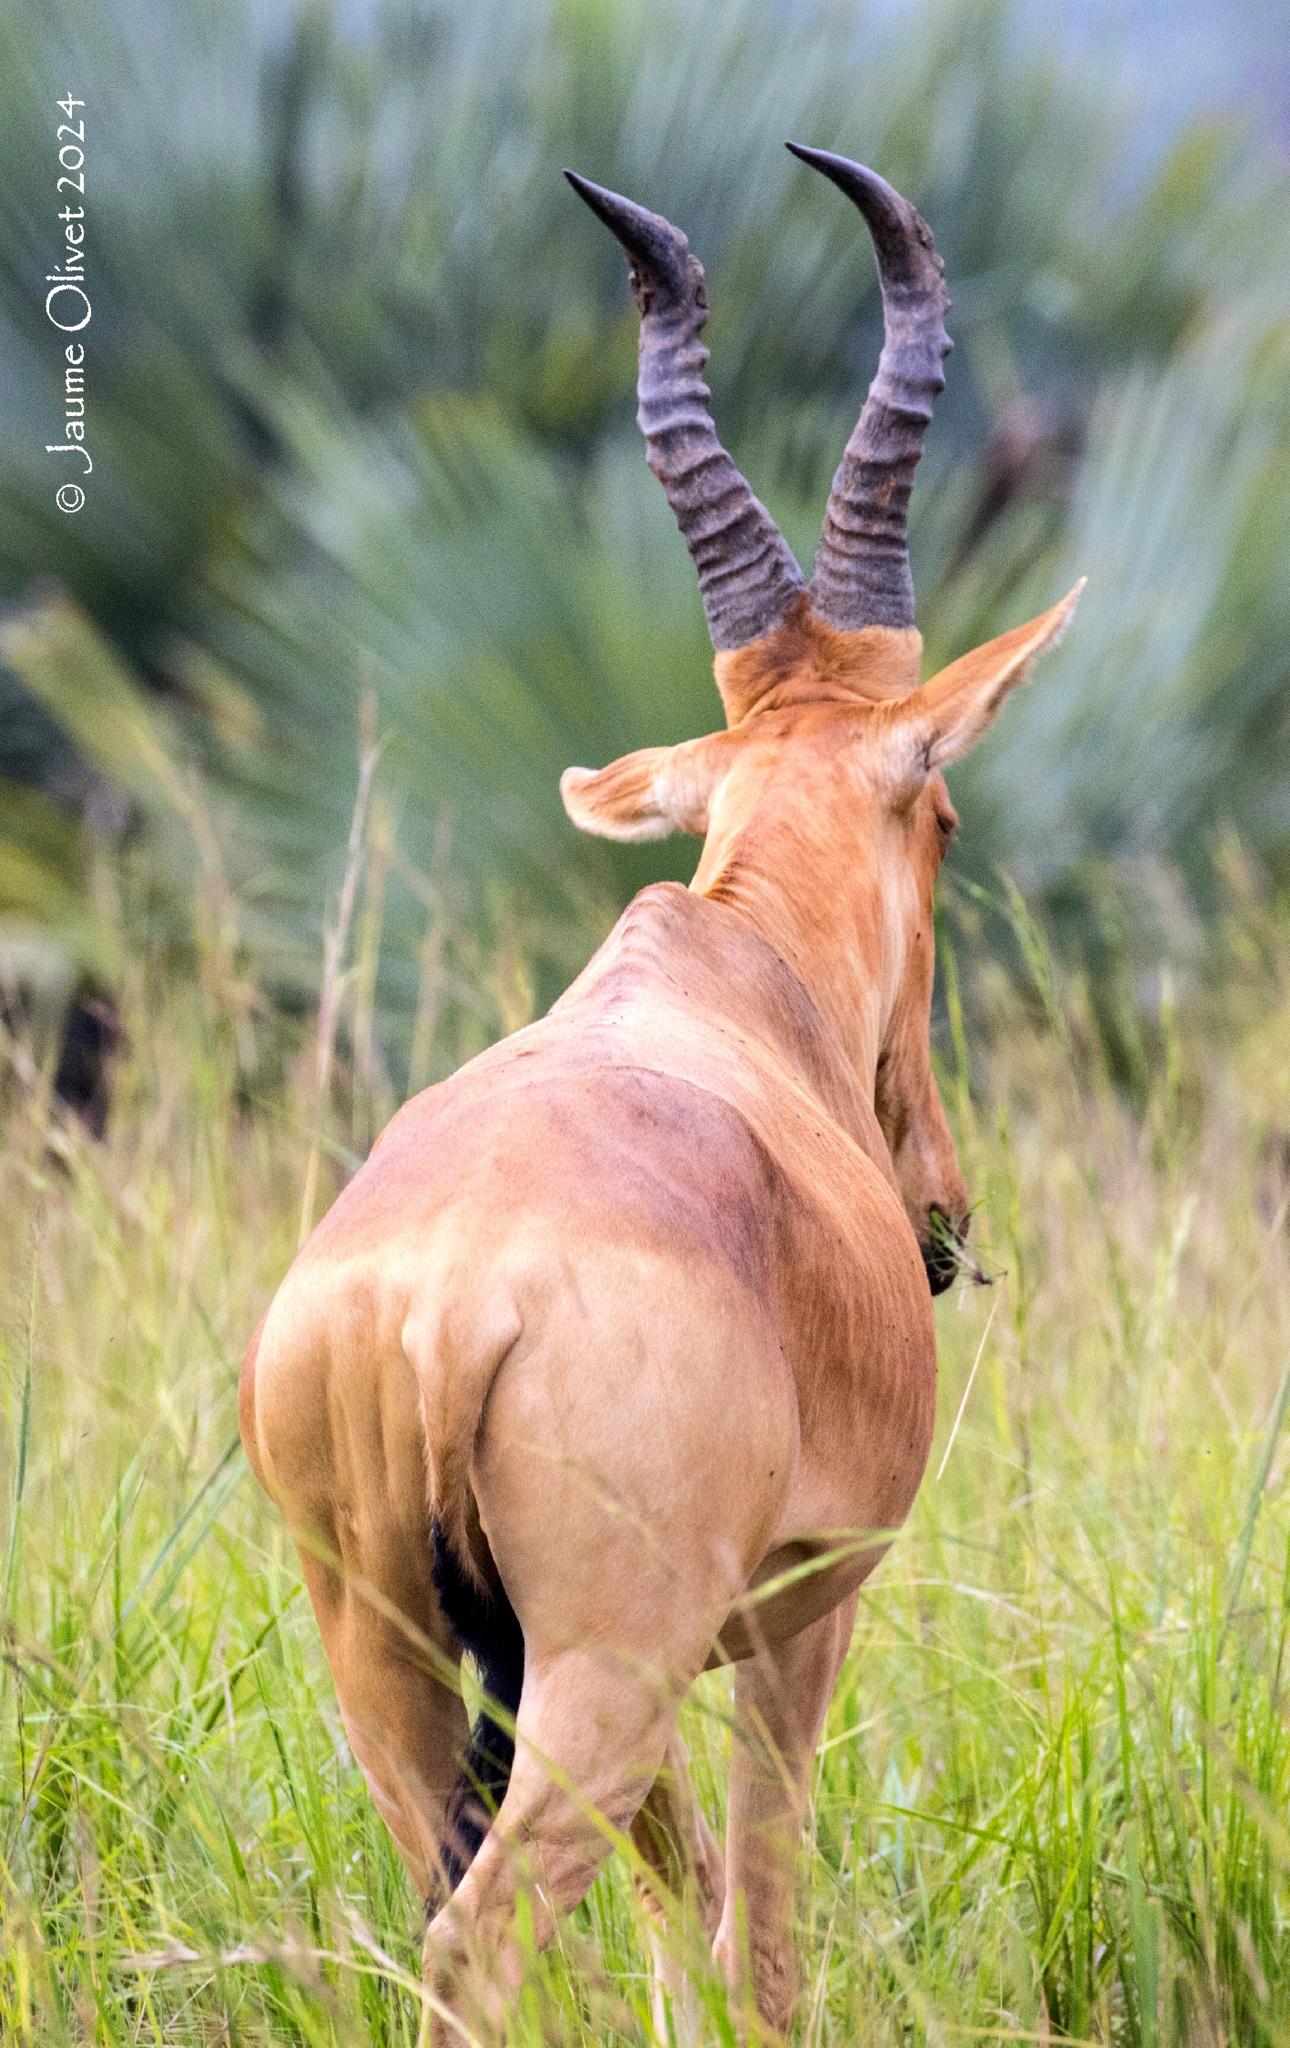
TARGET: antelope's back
(637,1165)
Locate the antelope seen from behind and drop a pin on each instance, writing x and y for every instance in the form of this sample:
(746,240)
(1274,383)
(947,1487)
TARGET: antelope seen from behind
(631,1318)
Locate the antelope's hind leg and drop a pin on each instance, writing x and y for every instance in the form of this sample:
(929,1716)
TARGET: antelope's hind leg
(362,1530)
(595,1491)
(393,1666)
(591,1735)
(682,1895)
(781,1698)
(593,1478)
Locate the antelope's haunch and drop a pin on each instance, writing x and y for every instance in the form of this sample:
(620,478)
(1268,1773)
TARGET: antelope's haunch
(628,1319)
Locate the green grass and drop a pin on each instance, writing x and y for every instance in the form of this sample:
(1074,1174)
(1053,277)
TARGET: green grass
(1052,1800)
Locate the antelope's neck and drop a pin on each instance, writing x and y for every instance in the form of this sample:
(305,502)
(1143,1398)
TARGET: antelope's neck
(832,935)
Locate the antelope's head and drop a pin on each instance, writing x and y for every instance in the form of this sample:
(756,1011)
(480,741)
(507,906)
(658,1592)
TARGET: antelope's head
(823,806)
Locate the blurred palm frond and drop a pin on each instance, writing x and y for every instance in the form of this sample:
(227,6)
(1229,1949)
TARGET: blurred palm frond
(360,378)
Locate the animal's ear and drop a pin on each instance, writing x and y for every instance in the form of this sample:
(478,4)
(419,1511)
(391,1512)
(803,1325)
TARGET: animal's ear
(649,794)
(949,714)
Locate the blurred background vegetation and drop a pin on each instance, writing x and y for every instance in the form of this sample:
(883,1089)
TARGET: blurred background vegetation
(368,556)
(366,484)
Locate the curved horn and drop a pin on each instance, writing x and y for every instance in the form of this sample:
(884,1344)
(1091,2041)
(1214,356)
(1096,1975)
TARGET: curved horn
(747,575)
(861,575)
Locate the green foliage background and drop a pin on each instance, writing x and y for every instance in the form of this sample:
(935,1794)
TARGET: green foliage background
(360,409)
(369,555)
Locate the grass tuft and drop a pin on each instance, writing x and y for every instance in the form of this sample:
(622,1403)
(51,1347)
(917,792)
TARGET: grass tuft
(1051,1801)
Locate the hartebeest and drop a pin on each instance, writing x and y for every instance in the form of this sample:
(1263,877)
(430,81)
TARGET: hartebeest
(628,1319)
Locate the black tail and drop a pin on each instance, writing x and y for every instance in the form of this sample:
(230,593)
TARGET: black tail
(486,1626)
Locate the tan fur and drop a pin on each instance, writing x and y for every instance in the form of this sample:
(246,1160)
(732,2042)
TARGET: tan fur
(807,661)
(634,1304)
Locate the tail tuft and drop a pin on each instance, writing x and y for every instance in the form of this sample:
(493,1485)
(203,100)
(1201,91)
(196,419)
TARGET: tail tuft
(489,1632)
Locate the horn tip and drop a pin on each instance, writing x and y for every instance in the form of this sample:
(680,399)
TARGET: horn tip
(853,178)
(654,247)
(587,190)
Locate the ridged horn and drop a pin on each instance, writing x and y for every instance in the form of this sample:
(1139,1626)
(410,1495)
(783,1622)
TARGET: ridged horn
(861,575)
(748,578)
